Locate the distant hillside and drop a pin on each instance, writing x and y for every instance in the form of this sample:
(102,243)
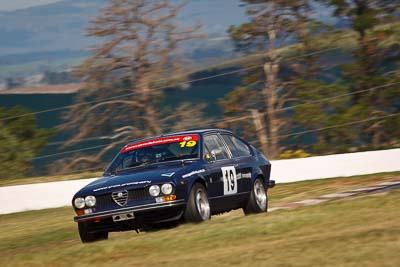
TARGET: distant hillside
(52,37)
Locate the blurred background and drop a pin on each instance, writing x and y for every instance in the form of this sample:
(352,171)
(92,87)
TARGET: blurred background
(296,78)
(80,78)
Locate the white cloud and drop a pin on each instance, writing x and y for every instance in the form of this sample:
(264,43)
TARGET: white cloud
(8,5)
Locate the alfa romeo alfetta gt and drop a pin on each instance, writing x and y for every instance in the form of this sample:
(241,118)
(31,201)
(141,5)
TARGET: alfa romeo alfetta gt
(183,176)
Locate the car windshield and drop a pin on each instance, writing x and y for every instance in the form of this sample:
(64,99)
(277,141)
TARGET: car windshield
(162,149)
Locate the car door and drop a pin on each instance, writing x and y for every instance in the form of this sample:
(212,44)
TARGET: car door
(220,173)
(244,159)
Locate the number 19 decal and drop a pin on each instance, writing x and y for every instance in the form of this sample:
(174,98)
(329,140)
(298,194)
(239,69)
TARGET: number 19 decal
(230,180)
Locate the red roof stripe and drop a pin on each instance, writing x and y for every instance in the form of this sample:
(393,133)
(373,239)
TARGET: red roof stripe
(160,141)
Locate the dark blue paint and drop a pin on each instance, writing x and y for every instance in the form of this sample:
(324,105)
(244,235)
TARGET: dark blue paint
(253,166)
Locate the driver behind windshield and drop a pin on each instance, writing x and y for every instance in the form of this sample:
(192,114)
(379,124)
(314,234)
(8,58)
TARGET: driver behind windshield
(153,154)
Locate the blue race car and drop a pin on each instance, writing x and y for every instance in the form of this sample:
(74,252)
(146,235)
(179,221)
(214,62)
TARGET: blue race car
(183,176)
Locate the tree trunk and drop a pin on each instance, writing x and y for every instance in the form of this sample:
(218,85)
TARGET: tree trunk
(150,114)
(270,94)
(261,130)
(271,69)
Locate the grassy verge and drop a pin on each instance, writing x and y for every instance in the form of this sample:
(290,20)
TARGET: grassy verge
(358,232)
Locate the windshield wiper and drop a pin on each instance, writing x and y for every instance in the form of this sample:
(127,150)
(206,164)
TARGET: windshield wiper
(150,162)
(141,164)
(176,158)
(147,163)
(180,157)
(169,158)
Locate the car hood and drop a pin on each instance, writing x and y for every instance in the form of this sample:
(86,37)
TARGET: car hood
(137,178)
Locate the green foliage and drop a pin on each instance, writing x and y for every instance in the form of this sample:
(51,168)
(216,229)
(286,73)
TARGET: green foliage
(335,124)
(292,154)
(238,100)
(374,65)
(364,15)
(324,111)
(341,120)
(14,157)
(20,141)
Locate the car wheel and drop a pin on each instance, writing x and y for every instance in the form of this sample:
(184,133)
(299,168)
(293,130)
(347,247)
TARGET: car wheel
(88,237)
(198,207)
(258,201)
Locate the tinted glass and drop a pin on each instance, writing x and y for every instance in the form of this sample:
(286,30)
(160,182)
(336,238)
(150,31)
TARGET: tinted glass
(237,147)
(156,150)
(243,149)
(214,146)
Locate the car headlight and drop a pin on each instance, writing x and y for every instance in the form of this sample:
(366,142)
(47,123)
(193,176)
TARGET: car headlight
(90,201)
(166,189)
(154,190)
(79,203)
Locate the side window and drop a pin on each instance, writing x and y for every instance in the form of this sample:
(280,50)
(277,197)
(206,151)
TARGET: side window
(128,160)
(214,146)
(231,145)
(243,149)
(240,148)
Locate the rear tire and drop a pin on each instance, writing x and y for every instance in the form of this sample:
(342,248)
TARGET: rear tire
(87,237)
(258,202)
(197,207)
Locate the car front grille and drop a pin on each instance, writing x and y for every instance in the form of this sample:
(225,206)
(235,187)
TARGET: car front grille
(120,197)
(132,195)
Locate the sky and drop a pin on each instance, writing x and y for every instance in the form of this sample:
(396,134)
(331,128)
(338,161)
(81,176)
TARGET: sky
(8,5)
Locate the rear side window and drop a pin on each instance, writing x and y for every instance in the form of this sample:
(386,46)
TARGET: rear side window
(214,146)
(231,145)
(237,147)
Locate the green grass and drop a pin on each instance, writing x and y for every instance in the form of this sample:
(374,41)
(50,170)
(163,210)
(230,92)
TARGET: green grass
(359,232)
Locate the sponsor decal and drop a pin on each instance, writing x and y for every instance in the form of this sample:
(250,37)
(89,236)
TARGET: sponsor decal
(168,174)
(121,185)
(246,175)
(193,173)
(164,140)
(243,175)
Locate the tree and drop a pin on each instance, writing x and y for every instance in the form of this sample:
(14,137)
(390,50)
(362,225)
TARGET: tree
(271,23)
(302,79)
(20,141)
(137,59)
(374,64)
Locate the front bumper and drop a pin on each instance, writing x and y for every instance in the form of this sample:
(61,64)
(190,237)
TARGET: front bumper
(150,213)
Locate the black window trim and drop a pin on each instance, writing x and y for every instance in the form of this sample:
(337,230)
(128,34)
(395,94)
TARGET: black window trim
(240,139)
(230,155)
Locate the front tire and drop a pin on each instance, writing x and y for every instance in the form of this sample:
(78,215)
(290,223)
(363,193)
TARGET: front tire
(87,237)
(258,202)
(198,207)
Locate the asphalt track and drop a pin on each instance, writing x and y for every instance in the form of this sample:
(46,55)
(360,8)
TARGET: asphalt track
(58,194)
(372,189)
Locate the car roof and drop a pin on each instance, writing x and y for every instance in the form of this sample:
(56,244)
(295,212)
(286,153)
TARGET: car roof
(197,131)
